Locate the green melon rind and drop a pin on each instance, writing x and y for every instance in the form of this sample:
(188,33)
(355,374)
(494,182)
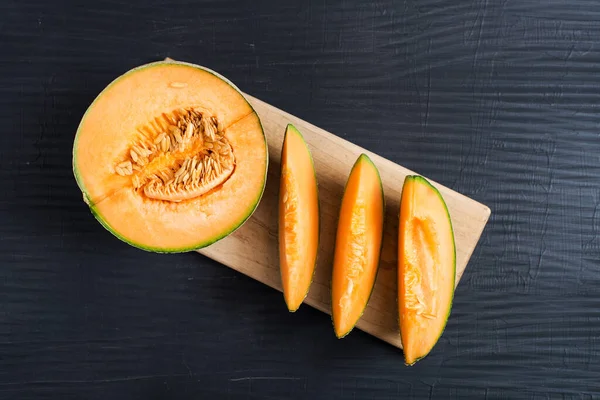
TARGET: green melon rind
(251,209)
(422,180)
(364,158)
(290,128)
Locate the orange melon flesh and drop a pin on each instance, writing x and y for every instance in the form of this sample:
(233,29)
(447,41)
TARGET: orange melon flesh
(358,245)
(128,108)
(426,267)
(298,219)
(135,99)
(168,225)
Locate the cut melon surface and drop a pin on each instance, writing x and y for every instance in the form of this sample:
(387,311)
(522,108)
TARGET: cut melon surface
(171,157)
(426,267)
(298,218)
(358,245)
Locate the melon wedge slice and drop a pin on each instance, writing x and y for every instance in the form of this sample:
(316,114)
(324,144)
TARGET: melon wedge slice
(358,245)
(426,267)
(298,218)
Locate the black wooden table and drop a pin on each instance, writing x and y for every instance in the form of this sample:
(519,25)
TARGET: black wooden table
(499,100)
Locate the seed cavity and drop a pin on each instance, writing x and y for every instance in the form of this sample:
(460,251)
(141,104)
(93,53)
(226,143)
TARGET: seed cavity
(179,156)
(291,218)
(358,252)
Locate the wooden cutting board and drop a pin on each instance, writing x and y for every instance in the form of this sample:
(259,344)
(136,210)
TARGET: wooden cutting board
(253,248)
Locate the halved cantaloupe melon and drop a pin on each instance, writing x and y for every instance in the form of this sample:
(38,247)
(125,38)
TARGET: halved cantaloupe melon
(171,157)
(298,218)
(358,245)
(426,267)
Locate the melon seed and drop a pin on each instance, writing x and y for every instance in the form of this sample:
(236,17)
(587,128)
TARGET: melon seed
(192,155)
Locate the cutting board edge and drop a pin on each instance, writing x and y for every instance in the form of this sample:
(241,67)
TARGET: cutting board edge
(486,209)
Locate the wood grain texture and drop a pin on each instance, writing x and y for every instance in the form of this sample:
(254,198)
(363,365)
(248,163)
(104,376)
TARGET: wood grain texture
(253,248)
